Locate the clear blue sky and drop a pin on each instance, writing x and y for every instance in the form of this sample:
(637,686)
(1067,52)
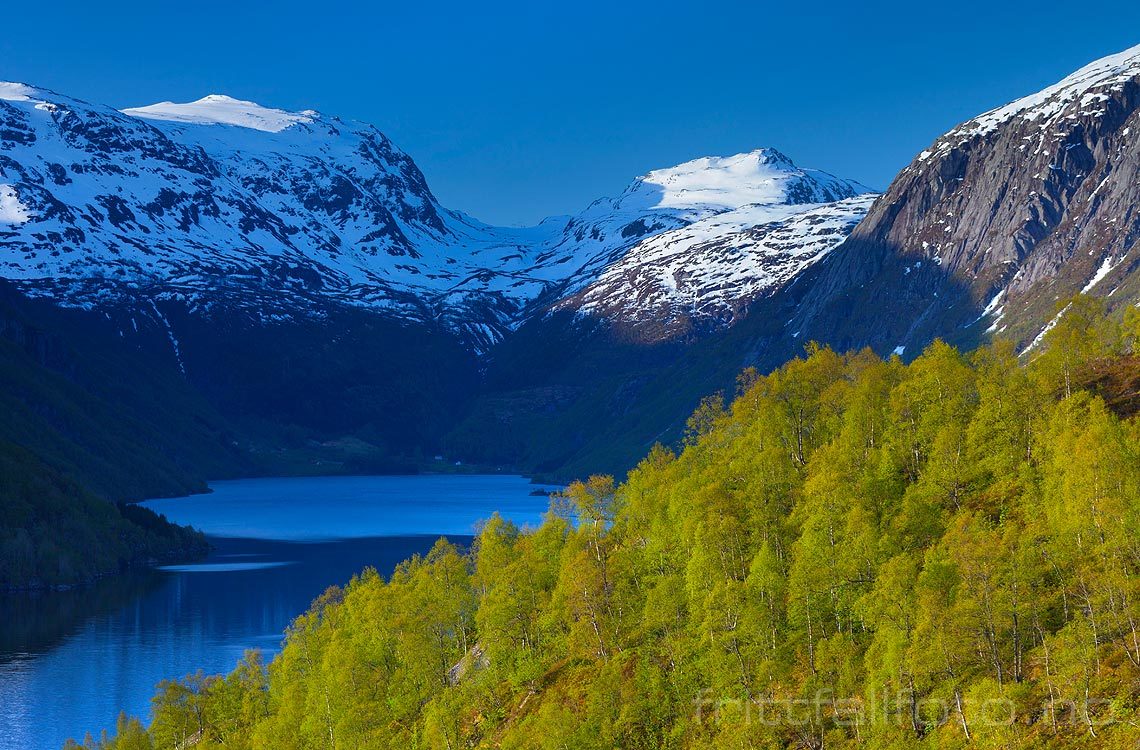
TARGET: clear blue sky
(519,110)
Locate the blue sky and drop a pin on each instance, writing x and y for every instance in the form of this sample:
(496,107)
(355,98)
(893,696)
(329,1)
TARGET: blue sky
(516,111)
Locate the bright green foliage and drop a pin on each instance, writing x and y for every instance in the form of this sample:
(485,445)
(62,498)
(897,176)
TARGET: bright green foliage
(853,553)
(1080,334)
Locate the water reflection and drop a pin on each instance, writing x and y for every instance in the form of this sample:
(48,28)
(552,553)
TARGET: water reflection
(39,621)
(70,661)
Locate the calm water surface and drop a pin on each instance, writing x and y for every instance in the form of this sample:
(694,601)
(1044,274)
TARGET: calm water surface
(70,661)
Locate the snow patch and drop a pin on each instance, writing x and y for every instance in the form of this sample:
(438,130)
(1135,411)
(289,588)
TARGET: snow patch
(170,335)
(12,210)
(1104,270)
(217,109)
(1048,327)
(993,303)
(995,308)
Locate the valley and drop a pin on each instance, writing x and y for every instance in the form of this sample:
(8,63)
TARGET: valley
(870,450)
(273,550)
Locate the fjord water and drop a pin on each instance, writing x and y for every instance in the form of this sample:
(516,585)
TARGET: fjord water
(70,661)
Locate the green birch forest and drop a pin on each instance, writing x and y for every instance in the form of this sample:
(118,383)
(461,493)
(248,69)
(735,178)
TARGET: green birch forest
(848,552)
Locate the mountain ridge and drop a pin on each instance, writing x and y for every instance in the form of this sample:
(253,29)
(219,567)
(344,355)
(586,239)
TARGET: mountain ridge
(305,205)
(997,223)
(624,314)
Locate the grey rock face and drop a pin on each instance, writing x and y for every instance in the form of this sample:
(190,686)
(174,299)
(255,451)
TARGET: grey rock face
(1007,213)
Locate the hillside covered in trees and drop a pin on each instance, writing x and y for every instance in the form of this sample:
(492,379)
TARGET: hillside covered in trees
(53,532)
(85,429)
(852,553)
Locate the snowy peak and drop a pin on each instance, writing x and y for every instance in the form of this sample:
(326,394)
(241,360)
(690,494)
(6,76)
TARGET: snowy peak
(690,247)
(675,197)
(721,183)
(225,204)
(218,109)
(23,94)
(17,92)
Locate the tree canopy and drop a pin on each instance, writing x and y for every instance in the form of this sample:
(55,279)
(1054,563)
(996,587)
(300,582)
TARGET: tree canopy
(852,553)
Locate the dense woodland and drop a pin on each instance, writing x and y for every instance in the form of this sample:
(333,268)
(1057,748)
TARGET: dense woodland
(852,553)
(54,532)
(87,424)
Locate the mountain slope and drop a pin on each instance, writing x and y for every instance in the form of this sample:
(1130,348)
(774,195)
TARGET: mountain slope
(984,233)
(112,416)
(297,271)
(996,221)
(706,275)
(225,204)
(88,421)
(55,533)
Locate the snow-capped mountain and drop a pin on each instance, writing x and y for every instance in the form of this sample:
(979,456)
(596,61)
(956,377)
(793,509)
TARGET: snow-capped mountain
(221,201)
(370,311)
(985,232)
(225,203)
(695,244)
(997,221)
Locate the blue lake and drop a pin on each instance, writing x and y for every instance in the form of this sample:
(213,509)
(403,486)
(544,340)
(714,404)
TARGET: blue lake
(70,661)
